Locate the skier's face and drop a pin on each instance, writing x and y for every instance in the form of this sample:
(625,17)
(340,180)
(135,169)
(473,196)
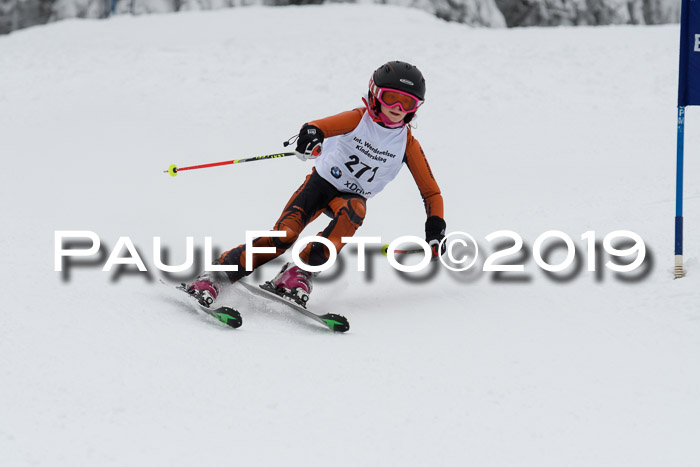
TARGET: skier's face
(395,114)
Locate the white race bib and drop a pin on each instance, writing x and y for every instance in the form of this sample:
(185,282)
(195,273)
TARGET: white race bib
(364,160)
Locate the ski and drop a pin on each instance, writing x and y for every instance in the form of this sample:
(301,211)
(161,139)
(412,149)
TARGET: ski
(226,315)
(334,322)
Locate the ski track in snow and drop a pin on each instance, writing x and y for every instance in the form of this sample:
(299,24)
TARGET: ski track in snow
(528,130)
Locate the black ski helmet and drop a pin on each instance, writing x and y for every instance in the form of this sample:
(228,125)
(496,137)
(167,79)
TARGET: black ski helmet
(397,75)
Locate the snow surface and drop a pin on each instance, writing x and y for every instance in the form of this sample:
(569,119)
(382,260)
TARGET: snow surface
(528,130)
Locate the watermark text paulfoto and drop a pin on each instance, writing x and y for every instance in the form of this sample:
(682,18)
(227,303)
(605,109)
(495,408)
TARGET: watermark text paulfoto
(461,251)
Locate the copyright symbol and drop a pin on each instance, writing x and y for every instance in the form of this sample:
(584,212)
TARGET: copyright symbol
(461,248)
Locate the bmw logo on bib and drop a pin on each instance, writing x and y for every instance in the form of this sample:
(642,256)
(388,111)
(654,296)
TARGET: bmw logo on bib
(335,171)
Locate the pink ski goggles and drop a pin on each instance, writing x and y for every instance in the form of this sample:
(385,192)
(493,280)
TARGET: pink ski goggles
(393,97)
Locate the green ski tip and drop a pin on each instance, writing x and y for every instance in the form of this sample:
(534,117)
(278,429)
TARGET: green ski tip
(230,319)
(331,323)
(336,323)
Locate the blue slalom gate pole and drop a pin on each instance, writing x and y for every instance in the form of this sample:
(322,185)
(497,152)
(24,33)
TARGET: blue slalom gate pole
(688,94)
(678,271)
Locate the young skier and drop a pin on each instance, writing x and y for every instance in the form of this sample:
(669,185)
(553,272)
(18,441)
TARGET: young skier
(357,153)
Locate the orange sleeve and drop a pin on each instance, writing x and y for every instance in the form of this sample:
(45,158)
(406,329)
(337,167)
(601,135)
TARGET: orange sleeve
(429,189)
(339,124)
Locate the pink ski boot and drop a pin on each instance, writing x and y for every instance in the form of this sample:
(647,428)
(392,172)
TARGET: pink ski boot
(205,289)
(294,283)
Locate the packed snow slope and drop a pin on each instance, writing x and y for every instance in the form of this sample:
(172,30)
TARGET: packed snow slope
(526,130)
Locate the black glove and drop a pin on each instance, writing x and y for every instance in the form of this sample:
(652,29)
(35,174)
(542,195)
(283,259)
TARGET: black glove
(434,233)
(309,142)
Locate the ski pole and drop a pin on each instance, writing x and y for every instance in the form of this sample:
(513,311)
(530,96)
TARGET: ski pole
(173,169)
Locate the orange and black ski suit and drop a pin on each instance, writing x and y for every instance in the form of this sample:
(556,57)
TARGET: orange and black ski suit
(347,210)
